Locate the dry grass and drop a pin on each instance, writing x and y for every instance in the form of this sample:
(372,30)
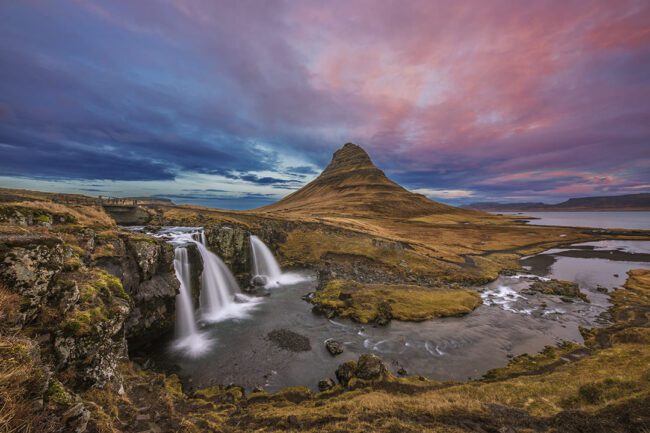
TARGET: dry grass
(363,302)
(22,381)
(92,216)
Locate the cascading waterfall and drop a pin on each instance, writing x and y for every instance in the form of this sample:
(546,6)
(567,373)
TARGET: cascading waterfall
(188,338)
(219,298)
(264,264)
(185,320)
(218,285)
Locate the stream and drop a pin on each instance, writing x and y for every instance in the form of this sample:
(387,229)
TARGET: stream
(508,323)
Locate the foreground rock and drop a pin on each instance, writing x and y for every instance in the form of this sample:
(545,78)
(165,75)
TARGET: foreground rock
(334,347)
(289,340)
(565,289)
(367,367)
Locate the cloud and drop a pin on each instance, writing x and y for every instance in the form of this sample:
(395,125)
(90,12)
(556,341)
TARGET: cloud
(446,96)
(444,193)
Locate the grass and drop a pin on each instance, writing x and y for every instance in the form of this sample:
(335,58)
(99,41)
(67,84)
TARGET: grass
(22,378)
(47,211)
(364,302)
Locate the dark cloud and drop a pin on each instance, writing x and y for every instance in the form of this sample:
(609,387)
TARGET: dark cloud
(444,97)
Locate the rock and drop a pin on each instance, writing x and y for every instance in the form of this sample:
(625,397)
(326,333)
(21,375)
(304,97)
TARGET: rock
(402,371)
(258,281)
(384,315)
(345,296)
(334,347)
(566,289)
(28,267)
(602,289)
(325,384)
(345,372)
(292,420)
(289,340)
(258,389)
(370,367)
(76,418)
(324,311)
(566,299)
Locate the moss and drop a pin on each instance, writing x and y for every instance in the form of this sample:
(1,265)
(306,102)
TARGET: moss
(44,218)
(369,302)
(526,363)
(57,394)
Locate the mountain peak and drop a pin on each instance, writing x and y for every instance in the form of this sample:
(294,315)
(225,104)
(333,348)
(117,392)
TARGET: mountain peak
(352,185)
(350,155)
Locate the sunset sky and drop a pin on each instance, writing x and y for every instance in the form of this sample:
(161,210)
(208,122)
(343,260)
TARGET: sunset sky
(234,104)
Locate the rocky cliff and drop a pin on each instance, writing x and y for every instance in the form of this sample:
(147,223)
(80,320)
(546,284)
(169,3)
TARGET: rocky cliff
(82,292)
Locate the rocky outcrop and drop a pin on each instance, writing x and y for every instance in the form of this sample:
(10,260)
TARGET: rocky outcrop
(129,215)
(28,265)
(32,216)
(145,266)
(85,293)
(231,243)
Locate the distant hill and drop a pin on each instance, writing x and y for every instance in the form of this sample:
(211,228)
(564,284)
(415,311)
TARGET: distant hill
(351,185)
(629,202)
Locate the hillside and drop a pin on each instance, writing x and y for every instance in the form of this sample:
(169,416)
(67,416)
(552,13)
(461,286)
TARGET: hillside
(628,202)
(351,185)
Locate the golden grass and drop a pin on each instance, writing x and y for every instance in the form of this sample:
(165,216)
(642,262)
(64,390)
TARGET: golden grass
(364,302)
(21,378)
(92,216)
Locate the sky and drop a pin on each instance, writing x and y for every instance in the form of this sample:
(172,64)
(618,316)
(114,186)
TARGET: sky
(235,104)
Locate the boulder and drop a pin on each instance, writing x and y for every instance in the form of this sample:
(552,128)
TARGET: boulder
(370,367)
(334,347)
(345,372)
(325,384)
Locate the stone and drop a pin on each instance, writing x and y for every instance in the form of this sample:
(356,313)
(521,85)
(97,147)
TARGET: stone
(345,372)
(325,384)
(402,371)
(384,315)
(258,281)
(76,418)
(289,340)
(334,347)
(370,367)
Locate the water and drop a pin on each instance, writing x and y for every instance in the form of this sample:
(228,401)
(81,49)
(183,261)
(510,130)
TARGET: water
(509,322)
(264,264)
(219,297)
(603,220)
(218,285)
(185,321)
(266,267)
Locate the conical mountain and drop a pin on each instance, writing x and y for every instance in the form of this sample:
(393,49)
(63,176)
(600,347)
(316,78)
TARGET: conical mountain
(351,185)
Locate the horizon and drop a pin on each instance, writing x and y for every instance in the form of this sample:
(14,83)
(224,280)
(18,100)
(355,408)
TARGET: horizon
(235,106)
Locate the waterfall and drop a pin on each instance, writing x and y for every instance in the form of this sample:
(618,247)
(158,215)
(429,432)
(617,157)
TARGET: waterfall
(218,299)
(185,321)
(218,286)
(264,264)
(188,338)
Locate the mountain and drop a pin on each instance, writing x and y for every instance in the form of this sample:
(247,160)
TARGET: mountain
(351,185)
(629,202)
